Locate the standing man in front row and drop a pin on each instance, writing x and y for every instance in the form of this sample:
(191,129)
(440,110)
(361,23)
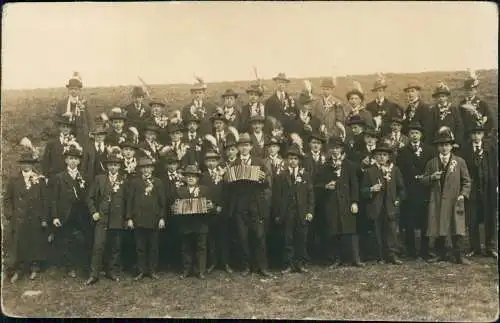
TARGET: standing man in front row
(145,214)
(248,206)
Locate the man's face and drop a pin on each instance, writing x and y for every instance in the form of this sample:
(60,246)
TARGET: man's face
(150,135)
(113,168)
(138,100)
(477,136)
(396,127)
(412,94)
(354,100)
(257,126)
(471,92)
(326,91)
(218,125)
(442,99)
(273,149)
(211,163)
(315,145)
(100,137)
(229,101)
(117,124)
(26,167)
(245,148)
(445,148)
(415,135)
(191,180)
(72,161)
(156,110)
(64,129)
(231,152)
(336,152)
(147,170)
(198,94)
(281,85)
(380,93)
(192,126)
(253,97)
(293,161)
(381,157)
(128,152)
(176,136)
(74,91)
(369,140)
(357,129)
(172,167)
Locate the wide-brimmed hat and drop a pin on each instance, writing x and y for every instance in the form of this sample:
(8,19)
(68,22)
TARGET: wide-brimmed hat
(73,151)
(356,119)
(471,81)
(244,138)
(199,85)
(191,118)
(99,130)
(145,162)
(113,158)
(211,154)
(444,136)
(274,140)
(319,136)
(255,88)
(336,142)
(170,157)
(156,101)
(174,127)
(152,128)
(330,83)
(75,81)
(218,116)
(412,85)
(191,170)
(117,113)
(257,118)
(27,158)
(380,83)
(397,120)
(281,77)
(129,144)
(415,125)
(229,92)
(137,91)
(382,147)
(62,119)
(441,88)
(477,128)
(294,150)
(372,132)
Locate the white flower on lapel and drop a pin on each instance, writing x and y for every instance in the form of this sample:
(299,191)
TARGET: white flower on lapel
(323,159)
(453,165)
(418,152)
(80,181)
(298,179)
(196,192)
(116,185)
(149,187)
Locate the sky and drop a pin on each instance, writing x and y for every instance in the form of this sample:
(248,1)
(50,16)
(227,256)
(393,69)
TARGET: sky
(114,43)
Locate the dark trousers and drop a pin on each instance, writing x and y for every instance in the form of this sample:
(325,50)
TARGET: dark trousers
(251,229)
(21,266)
(456,246)
(295,240)
(415,217)
(106,250)
(146,241)
(386,236)
(343,248)
(316,235)
(194,243)
(170,244)
(479,212)
(218,242)
(128,251)
(274,243)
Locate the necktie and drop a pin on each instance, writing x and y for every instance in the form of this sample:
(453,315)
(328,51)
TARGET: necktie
(257,109)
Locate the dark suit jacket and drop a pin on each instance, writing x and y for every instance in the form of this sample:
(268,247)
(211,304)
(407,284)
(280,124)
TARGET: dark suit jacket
(194,223)
(297,125)
(470,121)
(392,191)
(65,193)
(53,159)
(387,110)
(422,115)
(245,119)
(287,193)
(163,136)
(452,120)
(144,210)
(205,125)
(258,150)
(92,161)
(214,189)
(134,118)
(83,123)
(275,108)
(113,138)
(110,204)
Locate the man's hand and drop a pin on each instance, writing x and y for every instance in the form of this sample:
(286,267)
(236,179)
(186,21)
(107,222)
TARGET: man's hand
(396,203)
(307,127)
(161,224)
(460,198)
(218,209)
(96,216)
(130,224)
(309,217)
(330,185)
(354,208)
(436,175)
(44,224)
(376,188)
(56,222)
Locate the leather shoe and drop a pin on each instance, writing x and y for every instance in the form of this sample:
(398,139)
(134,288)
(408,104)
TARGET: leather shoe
(265,273)
(474,253)
(380,262)
(492,253)
(201,276)
(245,272)
(359,264)
(72,274)
(287,270)
(33,275)
(462,261)
(210,269)
(14,278)
(112,277)
(395,261)
(91,281)
(436,259)
(184,274)
(154,276)
(302,269)
(140,276)
(228,269)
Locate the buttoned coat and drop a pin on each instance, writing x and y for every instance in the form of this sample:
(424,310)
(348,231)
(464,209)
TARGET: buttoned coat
(66,191)
(93,161)
(205,124)
(421,114)
(329,116)
(83,123)
(53,158)
(275,108)
(386,111)
(102,198)
(146,210)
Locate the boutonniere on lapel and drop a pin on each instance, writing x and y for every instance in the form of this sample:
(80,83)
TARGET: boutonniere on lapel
(148,154)
(122,138)
(299,179)
(199,142)
(34,179)
(149,187)
(418,152)
(387,172)
(79,179)
(322,159)
(162,121)
(472,108)
(444,111)
(117,184)
(453,165)
(196,191)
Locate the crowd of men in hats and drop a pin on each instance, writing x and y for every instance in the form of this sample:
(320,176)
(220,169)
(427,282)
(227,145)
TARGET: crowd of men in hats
(335,183)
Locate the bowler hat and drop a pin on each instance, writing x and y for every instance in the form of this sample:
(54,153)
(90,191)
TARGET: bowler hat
(145,162)
(211,154)
(329,83)
(257,118)
(137,91)
(218,116)
(244,138)
(477,128)
(319,136)
(415,125)
(27,158)
(412,85)
(356,119)
(382,147)
(117,114)
(441,89)
(230,142)
(255,88)
(281,77)
(75,81)
(191,170)
(229,92)
(294,150)
(380,83)
(73,151)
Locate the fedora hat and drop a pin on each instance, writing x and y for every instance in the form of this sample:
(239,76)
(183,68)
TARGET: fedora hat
(319,136)
(170,157)
(117,114)
(99,130)
(191,170)
(244,138)
(151,127)
(444,136)
(397,119)
(356,119)
(471,81)
(255,88)
(218,116)
(137,92)
(257,118)
(294,150)
(281,77)
(415,125)
(174,127)
(211,154)
(305,98)
(74,151)
(336,142)
(62,119)
(370,131)
(145,162)
(113,158)
(412,85)
(199,85)
(75,81)
(382,147)
(441,88)
(478,128)
(156,101)
(329,83)
(273,141)
(27,158)
(229,92)
(129,144)
(380,83)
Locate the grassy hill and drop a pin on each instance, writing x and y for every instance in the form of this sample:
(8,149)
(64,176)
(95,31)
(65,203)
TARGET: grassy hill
(29,112)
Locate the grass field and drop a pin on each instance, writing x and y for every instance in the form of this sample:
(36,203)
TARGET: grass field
(415,291)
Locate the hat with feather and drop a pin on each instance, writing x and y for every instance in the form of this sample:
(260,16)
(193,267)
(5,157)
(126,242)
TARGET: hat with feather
(257,118)
(27,158)
(30,153)
(441,88)
(256,89)
(74,150)
(380,83)
(229,92)
(117,114)
(281,77)
(128,144)
(114,155)
(199,84)
(356,89)
(295,139)
(244,138)
(218,116)
(306,96)
(444,135)
(274,140)
(75,81)
(318,136)
(329,83)
(472,80)
(294,150)
(211,154)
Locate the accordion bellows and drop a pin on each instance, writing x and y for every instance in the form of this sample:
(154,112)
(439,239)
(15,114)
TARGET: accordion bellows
(190,206)
(243,173)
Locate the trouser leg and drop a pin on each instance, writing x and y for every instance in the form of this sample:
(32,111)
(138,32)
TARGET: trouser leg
(201,252)
(352,243)
(440,246)
(153,251)
(300,242)
(288,250)
(457,246)
(98,250)
(186,251)
(243,239)
(475,211)
(114,243)
(212,242)
(141,249)
(378,228)
(390,237)
(260,245)
(491,230)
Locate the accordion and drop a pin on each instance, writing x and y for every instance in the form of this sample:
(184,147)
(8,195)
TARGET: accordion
(243,173)
(190,206)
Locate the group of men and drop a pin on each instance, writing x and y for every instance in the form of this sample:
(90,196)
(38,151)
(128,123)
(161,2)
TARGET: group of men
(276,182)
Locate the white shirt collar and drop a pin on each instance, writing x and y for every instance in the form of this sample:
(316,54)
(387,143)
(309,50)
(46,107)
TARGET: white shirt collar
(444,157)
(73,172)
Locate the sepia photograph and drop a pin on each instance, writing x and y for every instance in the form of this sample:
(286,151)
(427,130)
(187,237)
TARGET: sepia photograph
(315,160)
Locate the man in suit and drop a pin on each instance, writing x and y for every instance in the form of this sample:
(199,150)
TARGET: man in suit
(257,136)
(481,159)
(106,203)
(137,112)
(448,179)
(95,154)
(194,139)
(305,123)
(69,211)
(219,132)
(159,119)
(75,107)
(411,161)
(356,107)
(178,144)
(199,107)
(117,132)
(417,111)
(384,190)
(395,138)
(382,109)
(252,108)
(293,199)
(281,104)
(230,111)
(248,205)
(150,147)
(329,109)
(146,216)
(355,137)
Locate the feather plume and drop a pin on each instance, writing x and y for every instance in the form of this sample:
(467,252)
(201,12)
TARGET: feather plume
(275,124)
(134,131)
(26,143)
(76,145)
(144,86)
(308,87)
(446,130)
(472,73)
(116,110)
(198,79)
(357,86)
(234,132)
(175,116)
(165,150)
(441,85)
(380,77)
(296,140)
(104,117)
(211,139)
(67,114)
